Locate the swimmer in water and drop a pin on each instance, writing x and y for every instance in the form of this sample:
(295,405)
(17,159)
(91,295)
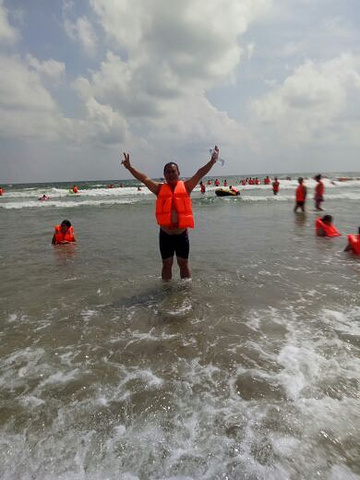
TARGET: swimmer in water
(64,233)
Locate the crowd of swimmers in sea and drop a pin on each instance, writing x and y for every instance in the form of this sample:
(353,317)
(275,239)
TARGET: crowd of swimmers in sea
(324,227)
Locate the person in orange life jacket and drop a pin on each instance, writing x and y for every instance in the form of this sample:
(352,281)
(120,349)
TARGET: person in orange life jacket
(319,192)
(173,211)
(202,187)
(235,190)
(64,233)
(2,191)
(275,186)
(75,189)
(300,195)
(324,227)
(353,243)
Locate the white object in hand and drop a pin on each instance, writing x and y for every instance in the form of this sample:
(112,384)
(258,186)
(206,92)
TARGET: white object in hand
(220,160)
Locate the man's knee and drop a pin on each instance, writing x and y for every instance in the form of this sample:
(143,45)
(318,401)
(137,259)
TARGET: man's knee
(168,262)
(182,262)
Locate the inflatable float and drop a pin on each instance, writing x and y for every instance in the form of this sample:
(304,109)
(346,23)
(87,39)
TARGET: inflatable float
(226,192)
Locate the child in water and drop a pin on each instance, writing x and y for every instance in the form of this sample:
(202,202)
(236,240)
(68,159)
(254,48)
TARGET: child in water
(64,233)
(353,243)
(325,228)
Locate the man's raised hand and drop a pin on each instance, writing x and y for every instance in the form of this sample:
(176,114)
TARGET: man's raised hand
(126,161)
(215,153)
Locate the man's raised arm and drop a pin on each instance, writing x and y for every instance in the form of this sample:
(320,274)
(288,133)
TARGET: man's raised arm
(151,184)
(194,180)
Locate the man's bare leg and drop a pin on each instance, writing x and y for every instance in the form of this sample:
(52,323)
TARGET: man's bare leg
(184,267)
(166,272)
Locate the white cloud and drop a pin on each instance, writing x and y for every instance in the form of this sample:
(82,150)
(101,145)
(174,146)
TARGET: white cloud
(8,34)
(26,107)
(309,103)
(79,30)
(50,69)
(118,83)
(193,42)
(250,50)
(83,32)
(164,57)
(28,110)
(155,65)
(101,125)
(21,88)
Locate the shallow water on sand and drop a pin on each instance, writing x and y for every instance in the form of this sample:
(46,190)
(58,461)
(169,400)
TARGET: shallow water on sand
(251,370)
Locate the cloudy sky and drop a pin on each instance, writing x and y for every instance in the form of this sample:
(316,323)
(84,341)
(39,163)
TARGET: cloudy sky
(275,83)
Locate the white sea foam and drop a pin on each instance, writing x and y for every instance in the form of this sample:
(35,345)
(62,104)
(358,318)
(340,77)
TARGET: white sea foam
(61,198)
(87,315)
(68,204)
(233,388)
(60,377)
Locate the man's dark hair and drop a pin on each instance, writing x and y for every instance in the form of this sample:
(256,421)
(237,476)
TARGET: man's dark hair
(67,223)
(171,163)
(327,218)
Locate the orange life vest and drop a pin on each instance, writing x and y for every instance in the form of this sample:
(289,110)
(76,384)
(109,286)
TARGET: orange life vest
(64,237)
(300,193)
(276,186)
(354,241)
(180,199)
(319,189)
(329,230)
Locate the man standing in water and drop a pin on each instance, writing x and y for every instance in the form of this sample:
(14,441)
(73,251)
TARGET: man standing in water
(276,186)
(300,195)
(319,192)
(173,211)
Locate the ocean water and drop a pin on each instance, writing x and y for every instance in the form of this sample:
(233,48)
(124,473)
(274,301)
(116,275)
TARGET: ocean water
(251,370)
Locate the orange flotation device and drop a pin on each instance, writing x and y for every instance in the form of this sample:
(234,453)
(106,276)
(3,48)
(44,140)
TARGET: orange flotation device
(276,186)
(354,241)
(61,237)
(329,230)
(319,189)
(180,199)
(300,193)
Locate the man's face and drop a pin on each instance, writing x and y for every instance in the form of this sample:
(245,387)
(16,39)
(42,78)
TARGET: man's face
(171,173)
